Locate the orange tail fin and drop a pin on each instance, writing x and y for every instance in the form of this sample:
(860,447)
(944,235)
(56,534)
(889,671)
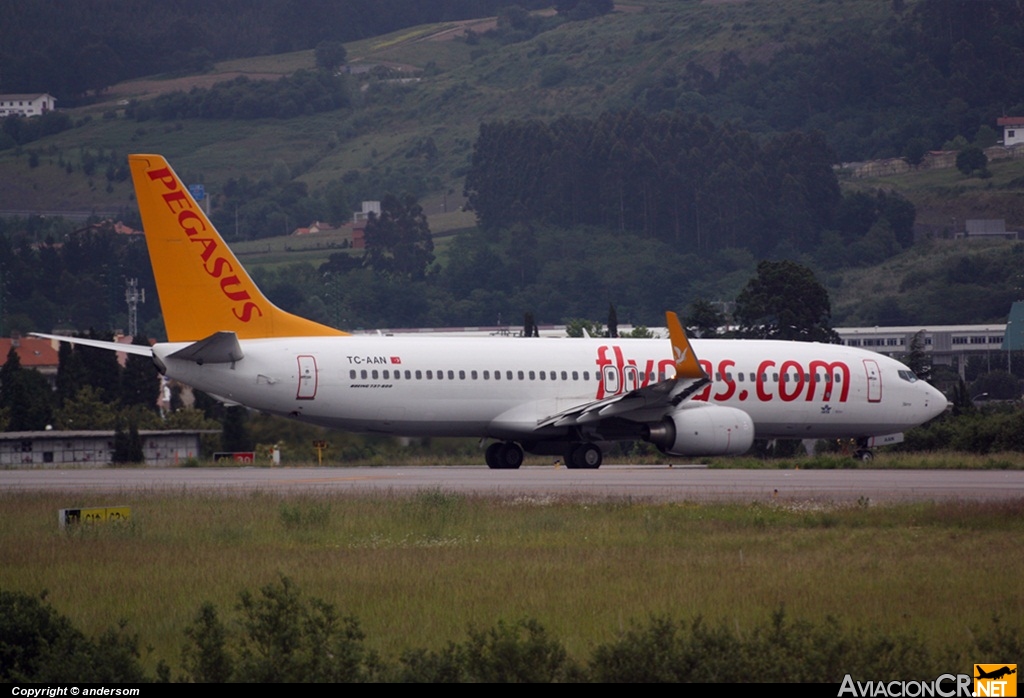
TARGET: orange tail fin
(687,365)
(202,286)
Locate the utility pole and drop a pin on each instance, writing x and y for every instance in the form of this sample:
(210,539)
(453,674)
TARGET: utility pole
(133,295)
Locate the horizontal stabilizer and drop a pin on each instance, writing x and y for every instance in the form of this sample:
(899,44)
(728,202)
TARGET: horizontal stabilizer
(218,348)
(138,349)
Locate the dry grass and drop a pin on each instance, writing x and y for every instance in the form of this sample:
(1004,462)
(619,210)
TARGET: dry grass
(419,570)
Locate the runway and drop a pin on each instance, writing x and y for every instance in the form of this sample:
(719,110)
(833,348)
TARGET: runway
(654,483)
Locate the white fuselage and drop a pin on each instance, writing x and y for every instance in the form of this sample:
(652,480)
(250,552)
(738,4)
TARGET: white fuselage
(503,387)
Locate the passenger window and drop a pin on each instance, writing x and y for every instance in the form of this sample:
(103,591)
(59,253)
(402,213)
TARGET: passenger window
(462,375)
(740,376)
(542,375)
(374,374)
(532,376)
(521,375)
(565,376)
(362,374)
(352,373)
(430,375)
(387,374)
(440,375)
(575,375)
(586,375)
(408,374)
(508,375)
(419,375)
(451,375)
(487,375)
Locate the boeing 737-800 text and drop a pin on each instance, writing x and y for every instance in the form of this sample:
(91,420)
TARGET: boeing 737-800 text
(552,396)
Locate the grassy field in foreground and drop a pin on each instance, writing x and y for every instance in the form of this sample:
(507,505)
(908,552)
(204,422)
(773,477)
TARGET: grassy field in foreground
(418,571)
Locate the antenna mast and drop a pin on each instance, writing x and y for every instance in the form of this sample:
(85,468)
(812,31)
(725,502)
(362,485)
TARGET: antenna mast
(133,295)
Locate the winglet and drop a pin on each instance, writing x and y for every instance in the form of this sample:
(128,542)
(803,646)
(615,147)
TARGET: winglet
(687,365)
(202,286)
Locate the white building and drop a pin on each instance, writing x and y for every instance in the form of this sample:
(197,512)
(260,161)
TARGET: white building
(27,104)
(1013,129)
(52,449)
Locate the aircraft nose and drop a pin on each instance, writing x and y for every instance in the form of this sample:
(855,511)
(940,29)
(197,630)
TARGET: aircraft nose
(935,403)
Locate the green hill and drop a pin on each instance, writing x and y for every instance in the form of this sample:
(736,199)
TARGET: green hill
(418,96)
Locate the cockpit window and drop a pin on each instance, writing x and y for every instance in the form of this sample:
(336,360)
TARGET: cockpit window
(908,376)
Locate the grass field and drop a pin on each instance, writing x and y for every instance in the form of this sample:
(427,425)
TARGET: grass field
(418,571)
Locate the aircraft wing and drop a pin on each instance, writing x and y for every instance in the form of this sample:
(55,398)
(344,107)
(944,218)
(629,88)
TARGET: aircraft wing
(688,379)
(99,344)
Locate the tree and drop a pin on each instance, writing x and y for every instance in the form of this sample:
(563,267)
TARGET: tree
(25,395)
(235,435)
(996,385)
(914,151)
(575,327)
(101,367)
(703,319)
(971,159)
(529,326)
(613,321)
(140,383)
(398,241)
(40,645)
(917,359)
(85,410)
(785,301)
(329,55)
(128,445)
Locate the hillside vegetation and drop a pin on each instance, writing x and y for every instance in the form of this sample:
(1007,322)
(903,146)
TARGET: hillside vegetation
(871,77)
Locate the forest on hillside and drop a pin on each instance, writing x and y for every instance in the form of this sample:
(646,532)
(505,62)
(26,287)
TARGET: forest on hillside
(70,49)
(915,76)
(935,70)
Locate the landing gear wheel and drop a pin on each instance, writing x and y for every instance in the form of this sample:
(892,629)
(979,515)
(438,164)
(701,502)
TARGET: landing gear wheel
(864,455)
(511,455)
(589,456)
(491,455)
(503,456)
(583,456)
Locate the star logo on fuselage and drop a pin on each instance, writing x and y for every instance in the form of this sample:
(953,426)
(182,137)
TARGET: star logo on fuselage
(826,409)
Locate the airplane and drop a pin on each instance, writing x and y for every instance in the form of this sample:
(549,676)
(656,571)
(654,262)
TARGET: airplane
(995,673)
(564,397)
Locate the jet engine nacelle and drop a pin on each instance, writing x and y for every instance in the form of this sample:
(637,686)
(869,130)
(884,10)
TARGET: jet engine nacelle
(707,430)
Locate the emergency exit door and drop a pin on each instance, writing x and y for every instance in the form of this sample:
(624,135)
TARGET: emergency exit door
(874,380)
(307,378)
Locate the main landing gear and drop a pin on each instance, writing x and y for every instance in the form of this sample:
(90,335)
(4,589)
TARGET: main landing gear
(583,456)
(504,455)
(508,455)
